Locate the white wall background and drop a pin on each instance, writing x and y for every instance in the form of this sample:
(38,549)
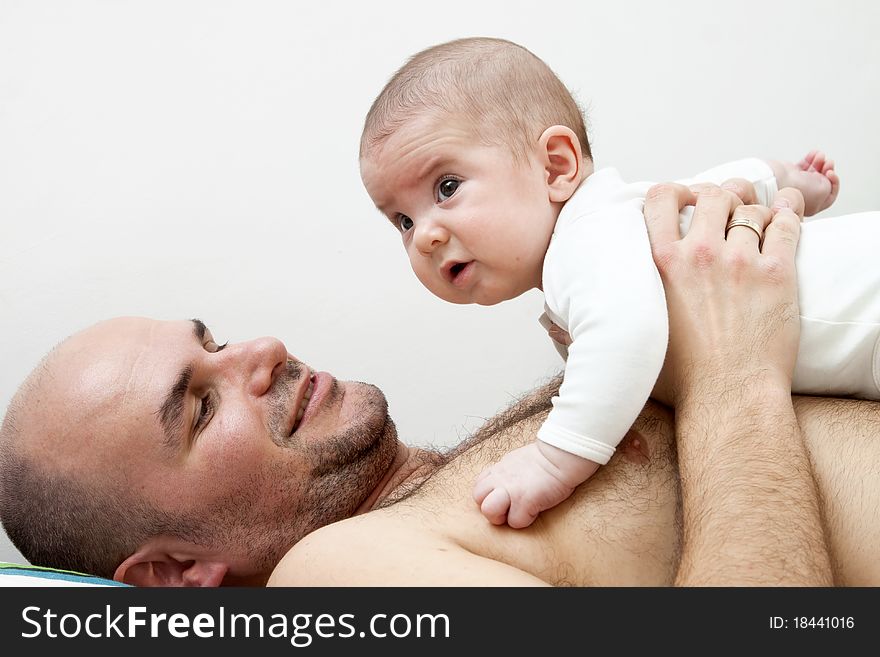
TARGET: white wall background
(199,159)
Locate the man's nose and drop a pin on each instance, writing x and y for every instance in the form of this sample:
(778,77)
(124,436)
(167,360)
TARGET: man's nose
(260,361)
(430,234)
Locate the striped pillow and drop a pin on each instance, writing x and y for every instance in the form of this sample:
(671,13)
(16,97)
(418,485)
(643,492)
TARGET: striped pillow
(12,574)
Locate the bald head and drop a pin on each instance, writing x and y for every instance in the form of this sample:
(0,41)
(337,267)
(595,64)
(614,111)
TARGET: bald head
(63,500)
(72,398)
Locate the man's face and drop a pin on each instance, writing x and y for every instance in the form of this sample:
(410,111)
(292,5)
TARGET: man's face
(475,222)
(201,430)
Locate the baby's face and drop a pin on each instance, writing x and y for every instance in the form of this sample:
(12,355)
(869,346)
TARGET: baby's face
(475,222)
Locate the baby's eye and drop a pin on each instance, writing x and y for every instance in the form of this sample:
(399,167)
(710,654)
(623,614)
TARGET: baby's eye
(404,223)
(447,188)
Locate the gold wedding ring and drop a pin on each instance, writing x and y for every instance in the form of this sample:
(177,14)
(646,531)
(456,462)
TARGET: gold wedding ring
(748,223)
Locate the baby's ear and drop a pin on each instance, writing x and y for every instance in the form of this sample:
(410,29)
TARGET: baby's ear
(561,152)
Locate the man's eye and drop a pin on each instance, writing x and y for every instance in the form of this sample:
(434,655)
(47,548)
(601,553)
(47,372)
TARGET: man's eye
(447,188)
(212,347)
(207,406)
(404,223)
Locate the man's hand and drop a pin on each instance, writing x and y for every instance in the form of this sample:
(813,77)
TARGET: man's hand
(750,505)
(732,306)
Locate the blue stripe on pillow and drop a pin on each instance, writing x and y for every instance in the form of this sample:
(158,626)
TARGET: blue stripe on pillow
(48,573)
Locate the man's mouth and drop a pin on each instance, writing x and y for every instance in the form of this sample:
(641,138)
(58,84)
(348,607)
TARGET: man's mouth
(304,402)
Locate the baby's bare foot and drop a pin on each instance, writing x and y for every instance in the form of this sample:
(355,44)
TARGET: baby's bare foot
(821,183)
(814,176)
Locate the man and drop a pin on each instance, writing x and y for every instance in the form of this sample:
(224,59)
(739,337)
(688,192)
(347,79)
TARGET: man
(144,451)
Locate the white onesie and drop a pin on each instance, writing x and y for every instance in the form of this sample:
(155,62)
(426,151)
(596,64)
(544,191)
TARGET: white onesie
(601,285)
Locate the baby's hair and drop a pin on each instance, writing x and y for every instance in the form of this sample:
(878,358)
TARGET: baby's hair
(505,91)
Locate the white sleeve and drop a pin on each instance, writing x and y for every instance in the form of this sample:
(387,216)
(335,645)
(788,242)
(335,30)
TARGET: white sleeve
(546,322)
(756,171)
(601,279)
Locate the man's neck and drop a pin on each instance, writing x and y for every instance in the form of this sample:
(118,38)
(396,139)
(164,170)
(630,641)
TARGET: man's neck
(409,467)
(412,466)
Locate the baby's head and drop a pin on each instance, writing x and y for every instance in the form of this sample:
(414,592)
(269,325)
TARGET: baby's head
(470,151)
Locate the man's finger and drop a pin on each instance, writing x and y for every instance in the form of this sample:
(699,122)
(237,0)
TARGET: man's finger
(662,206)
(789,197)
(749,236)
(782,233)
(742,188)
(713,209)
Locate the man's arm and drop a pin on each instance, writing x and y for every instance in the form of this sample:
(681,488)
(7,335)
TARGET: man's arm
(751,511)
(750,505)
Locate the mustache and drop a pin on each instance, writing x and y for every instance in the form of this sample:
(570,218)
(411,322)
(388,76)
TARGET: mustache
(279,400)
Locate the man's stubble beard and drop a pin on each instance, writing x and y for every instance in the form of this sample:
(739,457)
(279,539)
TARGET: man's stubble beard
(344,469)
(349,447)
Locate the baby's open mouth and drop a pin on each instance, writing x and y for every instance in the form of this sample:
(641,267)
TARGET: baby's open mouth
(456,272)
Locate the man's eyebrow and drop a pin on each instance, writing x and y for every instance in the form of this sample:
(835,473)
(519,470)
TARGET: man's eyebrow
(199,329)
(171,412)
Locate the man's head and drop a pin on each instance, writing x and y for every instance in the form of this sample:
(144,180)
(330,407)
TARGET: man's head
(144,450)
(470,151)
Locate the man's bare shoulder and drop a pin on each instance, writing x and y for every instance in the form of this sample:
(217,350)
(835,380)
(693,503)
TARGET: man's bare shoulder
(338,553)
(385,549)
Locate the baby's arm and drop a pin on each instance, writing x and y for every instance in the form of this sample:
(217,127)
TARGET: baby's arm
(601,280)
(814,176)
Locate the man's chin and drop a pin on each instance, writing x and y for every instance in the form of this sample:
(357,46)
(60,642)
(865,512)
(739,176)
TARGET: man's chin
(368,440)
(350,471)
(361,402)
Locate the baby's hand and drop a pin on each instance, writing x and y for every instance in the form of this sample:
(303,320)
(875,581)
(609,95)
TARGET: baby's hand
(527,481)
(814,176)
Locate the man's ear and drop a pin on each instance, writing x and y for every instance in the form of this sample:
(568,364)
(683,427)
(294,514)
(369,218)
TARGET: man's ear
(560,150)
(154,564)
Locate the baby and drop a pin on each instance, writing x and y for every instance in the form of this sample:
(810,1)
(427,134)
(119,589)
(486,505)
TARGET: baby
(478,155)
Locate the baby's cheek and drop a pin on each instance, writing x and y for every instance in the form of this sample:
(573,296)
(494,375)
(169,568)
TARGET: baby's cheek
(438,287)
(424,277)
